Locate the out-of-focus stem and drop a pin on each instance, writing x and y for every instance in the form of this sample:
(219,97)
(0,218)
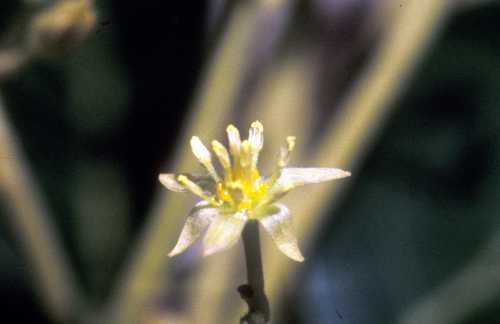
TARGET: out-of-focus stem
(282,95)
(54,279)
(209,114)
(253,292)
(369,103)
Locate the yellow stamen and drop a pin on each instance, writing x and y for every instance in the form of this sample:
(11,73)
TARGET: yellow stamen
(196,189)
(291,142)
(245,155)
(223,193)
(286,151)
(223,156)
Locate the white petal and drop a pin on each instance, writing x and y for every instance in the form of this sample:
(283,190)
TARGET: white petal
(199,218)
(256,140)
(278,223)
(256,135)
(234,139)
(223,232)
(199,150)
(204,156)
(169,180)
(294,177)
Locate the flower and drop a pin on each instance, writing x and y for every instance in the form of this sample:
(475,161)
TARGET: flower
(241,194)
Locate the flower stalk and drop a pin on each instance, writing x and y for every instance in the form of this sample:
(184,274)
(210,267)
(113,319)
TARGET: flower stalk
(253,292)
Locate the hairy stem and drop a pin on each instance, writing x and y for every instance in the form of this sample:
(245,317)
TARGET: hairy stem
(253,292)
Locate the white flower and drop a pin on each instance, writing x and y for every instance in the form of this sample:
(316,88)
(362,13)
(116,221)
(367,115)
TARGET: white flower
(241,193)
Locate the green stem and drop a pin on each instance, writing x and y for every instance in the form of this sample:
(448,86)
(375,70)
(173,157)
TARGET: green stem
(253,292)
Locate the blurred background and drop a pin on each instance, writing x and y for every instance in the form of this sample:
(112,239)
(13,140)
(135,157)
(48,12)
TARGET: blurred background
(97,98)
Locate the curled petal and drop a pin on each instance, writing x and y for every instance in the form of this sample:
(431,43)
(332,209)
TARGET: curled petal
(169,180)
(223,232)
(199,218)
(294,177)
(278,223)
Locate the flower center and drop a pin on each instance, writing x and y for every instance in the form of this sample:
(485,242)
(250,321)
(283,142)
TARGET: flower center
(241,189)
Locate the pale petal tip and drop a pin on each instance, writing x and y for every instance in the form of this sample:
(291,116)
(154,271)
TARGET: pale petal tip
(210,251)
(172,253)
(179,247)
(177,250)
(170,182)
(233,133)
(256,137)
(231,128)
(234,139)
(163,178)
(219,148)
(257,124)
(345,174)
(291,142)
(199,149)
(292,251)
(196,141)
(299,258)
